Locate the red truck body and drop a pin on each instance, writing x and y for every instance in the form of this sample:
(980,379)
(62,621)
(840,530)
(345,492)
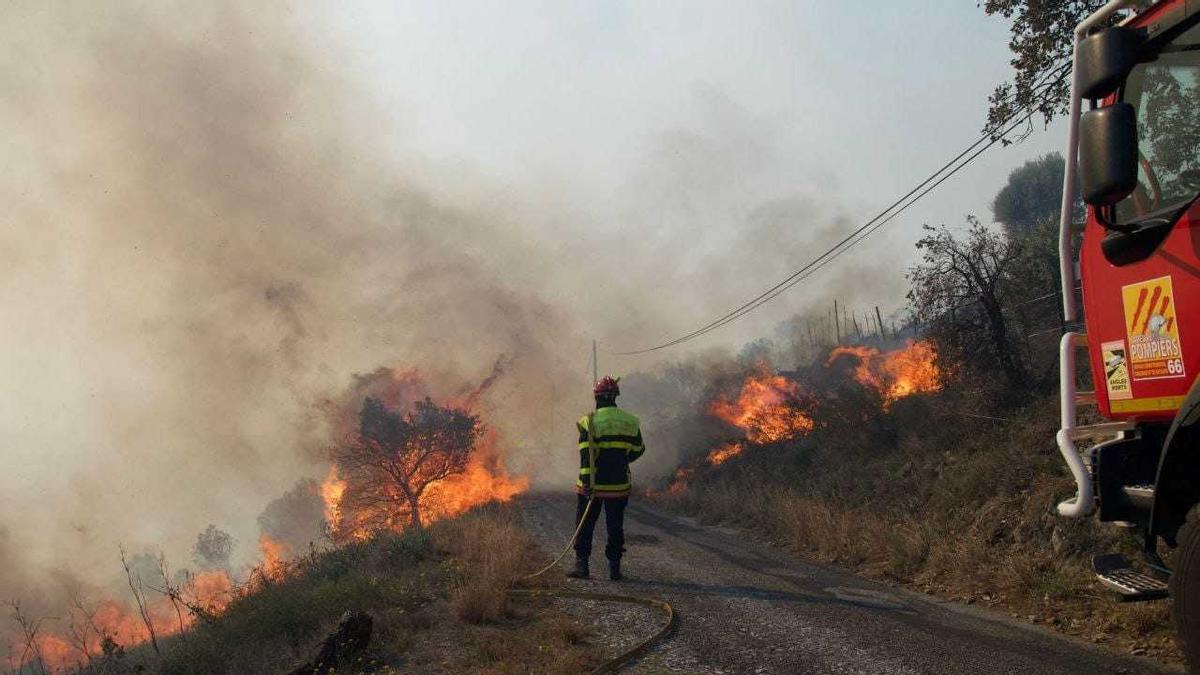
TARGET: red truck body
(1142,318)
(1146,316)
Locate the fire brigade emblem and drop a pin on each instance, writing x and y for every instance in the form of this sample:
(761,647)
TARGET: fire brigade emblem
(1116,370)
(1153,332)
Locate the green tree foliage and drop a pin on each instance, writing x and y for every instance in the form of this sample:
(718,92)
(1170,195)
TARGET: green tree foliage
(396,457)
(1168,133)
(960,291)
(990,302)
(1040,40)
(1032,196)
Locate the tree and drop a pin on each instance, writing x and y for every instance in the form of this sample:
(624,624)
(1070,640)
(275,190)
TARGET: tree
(395,457)
(1032,196)
(1041,39)
(960,290)
(1168,132)
(297,517)
(212,549)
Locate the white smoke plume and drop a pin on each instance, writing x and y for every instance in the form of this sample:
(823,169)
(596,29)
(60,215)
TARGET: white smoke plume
(209,227)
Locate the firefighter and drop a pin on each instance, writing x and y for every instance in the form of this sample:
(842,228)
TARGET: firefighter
(609,439)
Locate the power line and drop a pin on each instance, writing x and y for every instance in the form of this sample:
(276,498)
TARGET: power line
(857,235)
(882,218)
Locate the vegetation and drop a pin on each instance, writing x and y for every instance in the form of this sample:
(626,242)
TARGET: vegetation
(437,598)
(939,494)
(1040,42)
(1032,197)
(396,457)
(950,491)
(212,549)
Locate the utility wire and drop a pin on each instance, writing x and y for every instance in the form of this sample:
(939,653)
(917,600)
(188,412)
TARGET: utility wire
(923,188)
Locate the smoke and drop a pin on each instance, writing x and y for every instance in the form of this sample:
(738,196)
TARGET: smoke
(209,228)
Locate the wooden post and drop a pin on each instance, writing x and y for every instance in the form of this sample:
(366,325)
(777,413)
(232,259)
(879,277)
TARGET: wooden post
(837,322)
(879,320)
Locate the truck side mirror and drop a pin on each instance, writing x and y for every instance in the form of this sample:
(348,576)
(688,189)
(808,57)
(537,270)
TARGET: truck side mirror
(1103,60)
(1108,154)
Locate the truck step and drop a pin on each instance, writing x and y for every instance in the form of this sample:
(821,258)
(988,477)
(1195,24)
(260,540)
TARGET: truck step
(1139,496)
(1114,571)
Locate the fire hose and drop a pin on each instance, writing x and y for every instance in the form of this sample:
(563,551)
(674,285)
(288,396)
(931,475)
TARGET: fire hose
(640,648)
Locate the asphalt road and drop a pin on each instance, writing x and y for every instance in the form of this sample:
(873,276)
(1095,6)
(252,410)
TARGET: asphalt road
(744,607)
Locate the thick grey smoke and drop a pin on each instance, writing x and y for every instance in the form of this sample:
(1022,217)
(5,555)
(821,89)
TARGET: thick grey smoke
(209,227)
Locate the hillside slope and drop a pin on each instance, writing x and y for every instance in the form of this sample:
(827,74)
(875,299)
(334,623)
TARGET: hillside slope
(932,495)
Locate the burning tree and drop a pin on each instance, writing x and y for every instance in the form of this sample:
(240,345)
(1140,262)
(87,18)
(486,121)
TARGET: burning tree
(395,457)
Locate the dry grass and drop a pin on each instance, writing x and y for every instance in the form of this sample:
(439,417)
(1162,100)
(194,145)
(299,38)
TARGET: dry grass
(438,599)
(490,548)
(949,506)
(478,628)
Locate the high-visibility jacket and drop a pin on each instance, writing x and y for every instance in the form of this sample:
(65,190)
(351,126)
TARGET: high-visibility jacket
(618,440)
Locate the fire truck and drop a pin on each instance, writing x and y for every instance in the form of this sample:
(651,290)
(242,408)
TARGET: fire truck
(1131,437)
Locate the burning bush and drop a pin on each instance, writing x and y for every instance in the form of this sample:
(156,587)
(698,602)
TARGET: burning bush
(395,458)
(897,373)
(409,459)
(851,388)
(406,460)
(768,408)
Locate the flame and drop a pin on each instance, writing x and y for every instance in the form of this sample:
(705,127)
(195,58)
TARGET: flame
(212,591)
(771,407)
(123,623)
(909,370)
(767,408)
(724,452)
(275,555)
(57,653)
(913,369)
(483,480)
(679,484)
(332,489)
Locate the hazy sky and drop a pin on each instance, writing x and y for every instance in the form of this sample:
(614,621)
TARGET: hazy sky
(856,99)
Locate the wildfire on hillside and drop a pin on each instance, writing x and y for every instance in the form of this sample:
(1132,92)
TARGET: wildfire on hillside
(84,634)
(482,481)
(767,409)
(771,407)
(724,452)
(912,369)
(275,555)
(420,455)
(88,631)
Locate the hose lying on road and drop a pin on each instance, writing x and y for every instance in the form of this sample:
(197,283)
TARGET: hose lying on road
(624,657)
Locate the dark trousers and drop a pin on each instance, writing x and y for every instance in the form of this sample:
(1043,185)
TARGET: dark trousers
(614,521)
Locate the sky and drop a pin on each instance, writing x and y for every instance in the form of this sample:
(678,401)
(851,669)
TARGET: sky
(854,100)
(217,215)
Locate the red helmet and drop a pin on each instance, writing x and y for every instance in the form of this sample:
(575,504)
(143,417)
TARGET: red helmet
(607,386)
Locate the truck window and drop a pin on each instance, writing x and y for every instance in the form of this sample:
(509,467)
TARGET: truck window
(1166,94)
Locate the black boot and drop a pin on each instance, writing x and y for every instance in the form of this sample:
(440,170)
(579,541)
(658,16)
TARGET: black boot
(581,569)
(614,570)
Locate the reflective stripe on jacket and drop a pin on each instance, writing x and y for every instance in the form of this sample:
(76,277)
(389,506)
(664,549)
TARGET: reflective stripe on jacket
(618,442)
